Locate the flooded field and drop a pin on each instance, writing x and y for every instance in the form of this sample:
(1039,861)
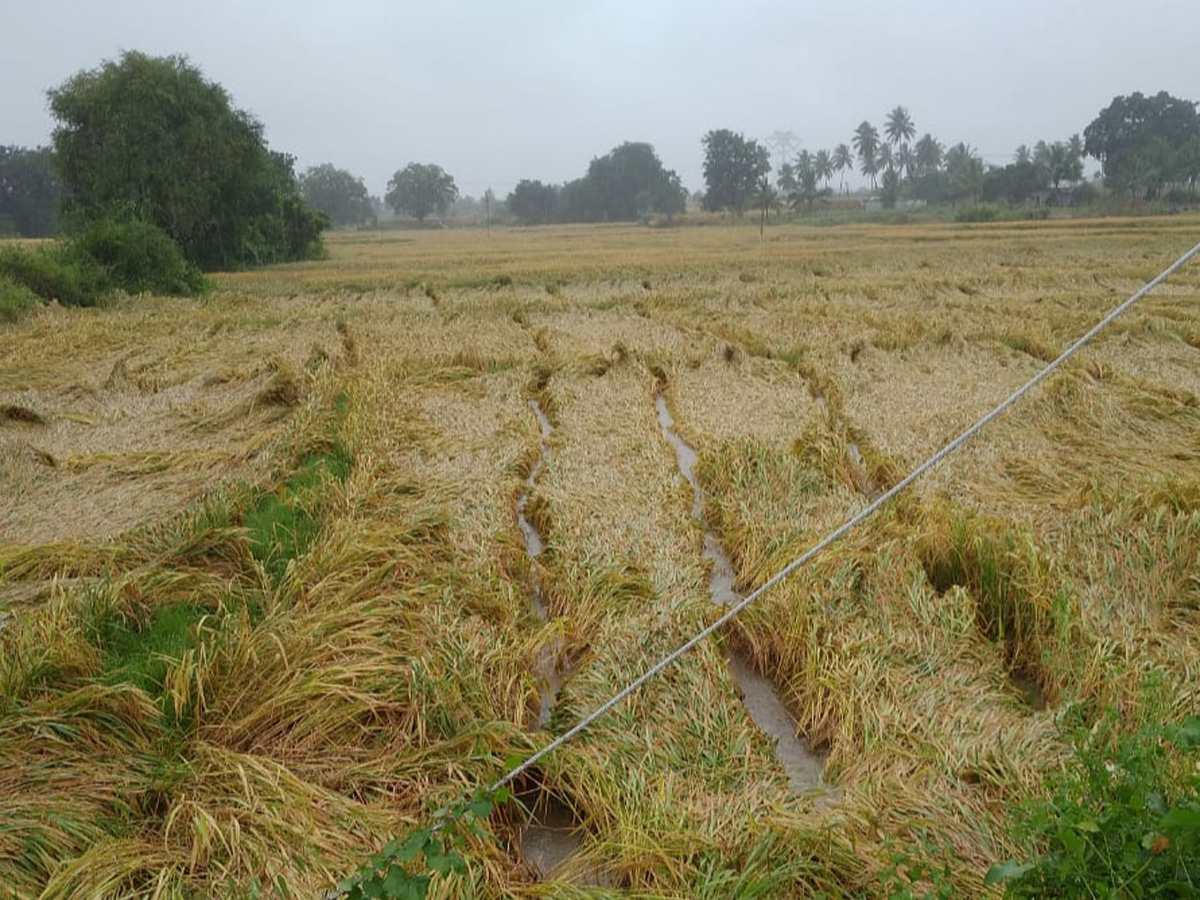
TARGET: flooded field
(286,569)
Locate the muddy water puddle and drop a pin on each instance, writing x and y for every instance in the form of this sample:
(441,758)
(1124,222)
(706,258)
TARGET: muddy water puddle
(549,675)
(551,834)
(803,767)
(551,839)
(858,465)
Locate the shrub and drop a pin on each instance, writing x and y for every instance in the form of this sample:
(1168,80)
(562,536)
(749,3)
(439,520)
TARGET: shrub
(1122,819)
(139,257)
(979,212)
(58,272)
(16,300)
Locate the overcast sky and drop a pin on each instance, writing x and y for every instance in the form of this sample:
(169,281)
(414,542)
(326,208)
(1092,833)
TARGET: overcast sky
(499,90)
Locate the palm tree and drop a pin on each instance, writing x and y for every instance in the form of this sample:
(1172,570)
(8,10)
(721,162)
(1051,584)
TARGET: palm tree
(866,145)
(966,170)
(823,164)
(766,199)
(843,159)
(899,127)
(885,158)
(1022,156)
(806,180)
(787,178)
(929,153)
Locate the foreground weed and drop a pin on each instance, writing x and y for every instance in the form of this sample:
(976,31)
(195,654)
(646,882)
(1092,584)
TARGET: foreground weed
(1121,820)
(388,874)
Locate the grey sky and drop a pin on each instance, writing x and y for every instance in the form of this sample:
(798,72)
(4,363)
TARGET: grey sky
(498,91)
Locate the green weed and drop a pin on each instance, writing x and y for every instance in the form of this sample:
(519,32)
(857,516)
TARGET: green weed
(1122,819)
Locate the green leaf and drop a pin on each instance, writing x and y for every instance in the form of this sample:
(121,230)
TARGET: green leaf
(416,889)
(414,845)
(502,795)
(1181,818)
(1189,732)
(481,808)
(1005,871)
(1089,826)
(396,882)
(439,864)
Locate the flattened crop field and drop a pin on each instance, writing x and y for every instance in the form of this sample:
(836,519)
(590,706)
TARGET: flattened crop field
(266,598)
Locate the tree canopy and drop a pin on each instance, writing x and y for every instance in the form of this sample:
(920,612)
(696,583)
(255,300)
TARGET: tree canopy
(533,202)
(29,191)
(1144,143)
(733,170)
(624,185)
(150,137)
(420,189)
(338,194)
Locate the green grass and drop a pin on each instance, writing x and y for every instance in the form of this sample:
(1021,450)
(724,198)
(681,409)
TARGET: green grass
(139,653)
(284,525)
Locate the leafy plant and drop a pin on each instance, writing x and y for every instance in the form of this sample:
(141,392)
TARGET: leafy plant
(57,272)
(403,869)
(1121,820)
(16,300)
(913,875)
(139,257)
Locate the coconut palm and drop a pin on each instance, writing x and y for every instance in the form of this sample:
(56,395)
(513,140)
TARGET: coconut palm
(1023,156)
(866,145)
(766,200)
(966,171)
(899,128)
(806,181)
(823,164)
(885,158)
(843,159)
(928,153)
(787,178)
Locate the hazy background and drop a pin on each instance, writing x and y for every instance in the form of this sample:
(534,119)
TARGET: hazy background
(499,91)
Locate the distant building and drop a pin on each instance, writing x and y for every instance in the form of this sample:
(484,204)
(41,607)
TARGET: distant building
(874,203)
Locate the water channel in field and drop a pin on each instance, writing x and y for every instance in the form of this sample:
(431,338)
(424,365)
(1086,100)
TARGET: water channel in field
(803,767)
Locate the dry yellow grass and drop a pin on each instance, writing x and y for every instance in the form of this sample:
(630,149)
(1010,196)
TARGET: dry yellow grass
(304,712)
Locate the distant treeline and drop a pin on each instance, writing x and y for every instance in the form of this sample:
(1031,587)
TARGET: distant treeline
(199,169)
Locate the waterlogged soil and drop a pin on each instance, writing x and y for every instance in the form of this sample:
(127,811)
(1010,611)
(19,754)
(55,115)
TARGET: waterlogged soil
(857,463)
(552,834)
(549,676)
(803,767)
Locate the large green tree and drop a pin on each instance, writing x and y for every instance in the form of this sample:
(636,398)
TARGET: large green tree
(338,194)
(533,202)
(627,183)
(29,191)
(150,137)
(733,170)
(420,189)
(1142,142)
